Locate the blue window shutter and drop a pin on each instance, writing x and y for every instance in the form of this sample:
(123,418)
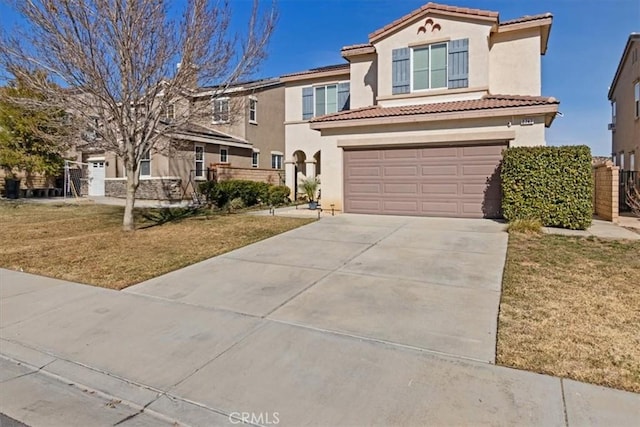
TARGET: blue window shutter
(400,71)
(458,63)
(343,96)
(307,103)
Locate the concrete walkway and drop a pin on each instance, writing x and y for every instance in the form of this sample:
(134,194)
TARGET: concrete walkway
(599,228)
(352,320)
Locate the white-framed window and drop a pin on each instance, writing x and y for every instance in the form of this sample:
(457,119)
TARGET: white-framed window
(255,159)
(170,112)
(614,159)
(199,161)
(253,110)
(145,164)
(621,161)
(276,161)
(632,161)
(224,155)
(636,97)
(221,110)
(614,111)
(326,99)
(429,67)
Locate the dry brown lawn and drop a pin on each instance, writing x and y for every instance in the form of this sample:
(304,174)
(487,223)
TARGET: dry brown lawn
(571,307)
(84,243)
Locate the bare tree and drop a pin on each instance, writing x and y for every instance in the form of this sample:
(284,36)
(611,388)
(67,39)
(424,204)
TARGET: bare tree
(115,61)
(633,199)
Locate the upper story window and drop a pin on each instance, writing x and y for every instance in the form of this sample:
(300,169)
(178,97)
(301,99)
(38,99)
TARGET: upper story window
(145,164)
(613,112)
(221,110)
(253,110)
(170,112)
(636,97)
(436,66)
(324,99)
(429,67)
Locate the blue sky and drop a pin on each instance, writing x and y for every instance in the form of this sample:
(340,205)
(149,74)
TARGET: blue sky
(587,39)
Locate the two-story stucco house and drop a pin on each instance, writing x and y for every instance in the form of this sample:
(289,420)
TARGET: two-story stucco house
(414,123)
(239,134)
(624,95)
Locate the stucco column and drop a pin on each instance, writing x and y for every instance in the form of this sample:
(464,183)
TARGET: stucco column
(311,168)
(289,177)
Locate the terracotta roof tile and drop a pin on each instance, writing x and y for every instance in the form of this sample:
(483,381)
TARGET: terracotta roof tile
(336,67)
(527,18)
(487,102)
(435,7)
(357,46)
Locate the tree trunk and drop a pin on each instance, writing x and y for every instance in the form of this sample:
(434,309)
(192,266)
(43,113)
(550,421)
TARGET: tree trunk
(128,223)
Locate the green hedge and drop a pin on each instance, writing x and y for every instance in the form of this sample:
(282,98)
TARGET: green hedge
(552,184)
(250,192)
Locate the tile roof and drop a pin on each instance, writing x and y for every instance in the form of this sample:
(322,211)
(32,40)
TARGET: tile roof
(486,102)
(357,46)
(435,7)
(336,67)
(203,131)
(527,18)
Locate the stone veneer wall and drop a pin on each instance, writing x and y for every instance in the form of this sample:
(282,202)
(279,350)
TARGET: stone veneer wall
(152,189)
(605,191)
(270,176)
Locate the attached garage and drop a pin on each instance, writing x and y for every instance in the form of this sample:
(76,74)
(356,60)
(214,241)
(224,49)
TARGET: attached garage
(461,180)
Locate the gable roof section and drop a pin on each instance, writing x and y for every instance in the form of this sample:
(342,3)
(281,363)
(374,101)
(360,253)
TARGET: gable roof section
(487,102)
(526,18)
(542,21)
(462,12)
(633,37)
(329,70)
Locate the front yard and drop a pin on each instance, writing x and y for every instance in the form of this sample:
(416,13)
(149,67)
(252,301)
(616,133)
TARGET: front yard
(84,243)
(571,307)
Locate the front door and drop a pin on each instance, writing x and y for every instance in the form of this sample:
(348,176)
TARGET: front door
(96,178)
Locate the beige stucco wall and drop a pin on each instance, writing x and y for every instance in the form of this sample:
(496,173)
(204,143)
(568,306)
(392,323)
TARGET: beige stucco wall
(451,29)
(515,63)
(626,137)
(364,81)
(267,135)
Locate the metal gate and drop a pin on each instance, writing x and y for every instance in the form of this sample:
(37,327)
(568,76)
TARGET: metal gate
(628,179)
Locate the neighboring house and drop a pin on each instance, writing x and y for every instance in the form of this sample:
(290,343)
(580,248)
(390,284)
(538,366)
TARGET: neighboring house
(416,121)
(240,135)
(624,95)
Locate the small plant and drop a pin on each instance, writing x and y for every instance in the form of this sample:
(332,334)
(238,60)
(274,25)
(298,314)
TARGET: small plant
(236,204)
(310,187)
(278,195)
(525,226)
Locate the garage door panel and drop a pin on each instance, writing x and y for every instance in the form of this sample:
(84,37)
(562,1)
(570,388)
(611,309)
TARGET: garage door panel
(460,181)
(355,156)
(439,152)
(439,189)
(439,170)
(403,188)
(407,154)
(400,171)
(365,188)
(401,207)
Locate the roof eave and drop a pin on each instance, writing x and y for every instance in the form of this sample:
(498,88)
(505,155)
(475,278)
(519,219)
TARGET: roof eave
(548,109)
(419,14)
(543,23)
(627,48)
(316,75)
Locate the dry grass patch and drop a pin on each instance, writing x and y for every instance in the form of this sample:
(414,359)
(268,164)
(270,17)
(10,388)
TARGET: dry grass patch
(571,307)
(84,243)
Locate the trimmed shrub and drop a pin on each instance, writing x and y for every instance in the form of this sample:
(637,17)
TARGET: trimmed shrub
(278,195)
(552,184)
(250,192)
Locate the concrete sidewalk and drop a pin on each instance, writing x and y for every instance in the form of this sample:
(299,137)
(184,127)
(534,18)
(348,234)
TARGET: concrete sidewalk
(78,355)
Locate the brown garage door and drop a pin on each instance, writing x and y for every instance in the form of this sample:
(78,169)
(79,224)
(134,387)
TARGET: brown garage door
(456,181)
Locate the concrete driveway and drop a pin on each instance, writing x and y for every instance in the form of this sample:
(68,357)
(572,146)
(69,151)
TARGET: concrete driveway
(353,320)
(429,283)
